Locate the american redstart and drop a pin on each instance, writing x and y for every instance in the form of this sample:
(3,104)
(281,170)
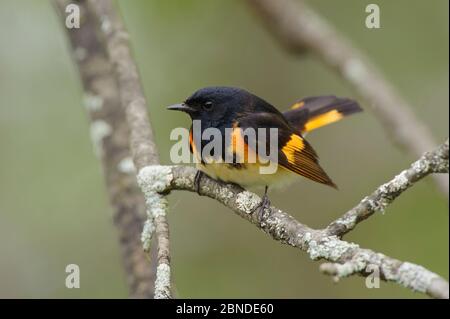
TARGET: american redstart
(233,111)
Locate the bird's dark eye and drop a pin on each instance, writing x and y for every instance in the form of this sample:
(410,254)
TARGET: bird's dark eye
(207,105)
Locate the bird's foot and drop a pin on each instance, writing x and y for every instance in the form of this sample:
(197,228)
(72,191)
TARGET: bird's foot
(197,179)
(262,207)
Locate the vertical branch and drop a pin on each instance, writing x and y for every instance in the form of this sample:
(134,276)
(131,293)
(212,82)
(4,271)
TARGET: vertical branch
(143,148)
(299,29)
(110,135)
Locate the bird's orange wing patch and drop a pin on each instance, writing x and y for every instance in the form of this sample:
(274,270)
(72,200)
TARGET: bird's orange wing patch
(239,148)
(295,144)
(298,156)
(193,147)
(297,105)
(322,120)
(191,143)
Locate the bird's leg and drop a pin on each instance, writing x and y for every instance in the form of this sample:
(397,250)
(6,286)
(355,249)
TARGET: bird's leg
(197,179)
(263,205)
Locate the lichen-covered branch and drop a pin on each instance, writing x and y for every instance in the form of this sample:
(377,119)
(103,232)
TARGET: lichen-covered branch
(110,135)
(143,148)
(435,161)
(347,258)
(299,29)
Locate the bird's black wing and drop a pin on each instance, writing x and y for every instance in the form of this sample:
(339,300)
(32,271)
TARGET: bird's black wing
(287,147)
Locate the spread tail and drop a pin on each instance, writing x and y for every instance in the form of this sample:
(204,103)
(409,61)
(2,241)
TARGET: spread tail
(313,112)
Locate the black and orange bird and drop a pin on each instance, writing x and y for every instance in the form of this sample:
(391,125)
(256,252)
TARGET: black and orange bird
(234,110)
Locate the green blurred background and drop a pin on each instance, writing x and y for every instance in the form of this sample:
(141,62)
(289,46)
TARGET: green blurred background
(53,205)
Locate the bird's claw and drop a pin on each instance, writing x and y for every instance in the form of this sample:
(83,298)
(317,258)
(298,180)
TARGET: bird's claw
(197,179)
(262,207)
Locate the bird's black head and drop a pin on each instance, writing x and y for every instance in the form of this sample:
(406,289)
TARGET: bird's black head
(215,105)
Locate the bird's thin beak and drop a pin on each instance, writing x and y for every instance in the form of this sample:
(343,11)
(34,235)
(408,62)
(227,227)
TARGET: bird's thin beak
(181,107)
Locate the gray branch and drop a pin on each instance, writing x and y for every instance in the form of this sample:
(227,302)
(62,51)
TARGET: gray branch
(299,29)
(431,162)
(346,258)
(143,148)
(110,136)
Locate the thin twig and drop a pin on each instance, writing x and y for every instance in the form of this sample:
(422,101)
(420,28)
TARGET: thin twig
(143,148)
(298,28)
(431,162)
(110,135)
